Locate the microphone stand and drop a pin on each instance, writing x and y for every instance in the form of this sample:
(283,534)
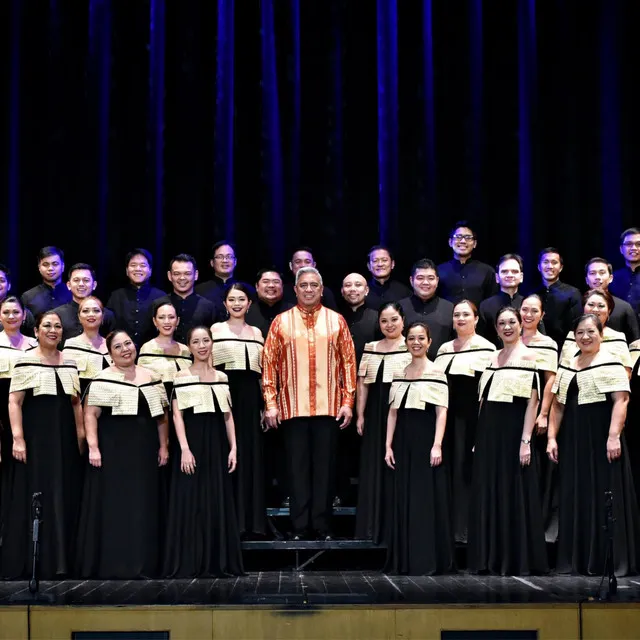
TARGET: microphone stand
(608,570)
(34,594)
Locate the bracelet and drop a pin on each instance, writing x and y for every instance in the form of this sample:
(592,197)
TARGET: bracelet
(524,441)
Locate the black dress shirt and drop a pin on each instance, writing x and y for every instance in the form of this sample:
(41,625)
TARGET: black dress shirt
(193,311)
(562,307)
(214,289)
(364,327)
(261,314)
(437,313)
(132,307)
(624,319)
(71,326)
(28,324)
(489,310)
(389,291)
(44,298)
(626,285)
(328,299)
(473,280)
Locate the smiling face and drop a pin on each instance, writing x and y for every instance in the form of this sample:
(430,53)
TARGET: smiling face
(5,285)
(81,284)
(90,314)
(200,345)
(463,242)
(550,267)
(391,323)
(418,342)
(49,331)
(531,313)
(51,269)
(183,276)
(11,316)
(309,290)
(598,275)
(224,261)
(464,320)
(354,289)
(269,287)
(138,270)
(630,248)
(508,327)
(424,283)
(380,264)
(301,259)
(588,337)
(166,320)
(597,305)
(123,350)
(237,303)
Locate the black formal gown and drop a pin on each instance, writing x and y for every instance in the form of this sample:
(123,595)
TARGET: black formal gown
(632,429)
(119,531)
(506,534)
(202,531)
(421,538)
(463,370)
(53,468)
(241,360)
(378,369)
(89,361)
(585,474)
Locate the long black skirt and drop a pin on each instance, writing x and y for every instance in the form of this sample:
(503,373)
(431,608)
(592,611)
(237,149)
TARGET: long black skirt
(374,482)
(506,535)
(202,530)
(118,536)
(53,469)
(584,475)
(632,428)
(248,479)
(421,539)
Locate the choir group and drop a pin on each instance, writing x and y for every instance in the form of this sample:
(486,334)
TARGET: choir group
(484,417)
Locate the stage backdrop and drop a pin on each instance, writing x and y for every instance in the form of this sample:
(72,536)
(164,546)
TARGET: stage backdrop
(338,124)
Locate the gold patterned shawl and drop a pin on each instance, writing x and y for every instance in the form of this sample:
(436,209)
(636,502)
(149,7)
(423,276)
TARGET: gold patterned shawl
(110,389)
(232,352)
(474,358)
(392,362)
(613,342)
(514,380)
(163,364)
(546,350)
(89,360)
(29,372)
(430,388)
(634,352)
(8,357)
(594,382)
(191,393)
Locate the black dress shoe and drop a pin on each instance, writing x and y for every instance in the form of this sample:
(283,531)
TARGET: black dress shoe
(299,536)
(286,503)
(324,537)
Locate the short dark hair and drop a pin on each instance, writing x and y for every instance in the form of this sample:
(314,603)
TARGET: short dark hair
(424,325)
(81,266)
(110,338)
(631,231)
(380,247)
(508,309)
(267,270)
(537,296)
(302,248)
(603,293)
(396,306)
(41,316)
(183,257)
(49,251)
(237,286)
(12,300)
(221,243)
(510,256)
(588,316)
(161,302)
(550,250)
(424,263)
(139,251)
(462,223)
(6,271)
(594,261)
(198,326)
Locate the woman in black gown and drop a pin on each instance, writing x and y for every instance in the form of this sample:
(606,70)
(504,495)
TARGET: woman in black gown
(89,349)
(587,441)
(421,540)
(506,535)
(127,433)
(381,362)
(202,533)
(237,350)
(48,435)
(632,435)
(463,360)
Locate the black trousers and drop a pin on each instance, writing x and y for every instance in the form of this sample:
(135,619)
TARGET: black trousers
(311,454)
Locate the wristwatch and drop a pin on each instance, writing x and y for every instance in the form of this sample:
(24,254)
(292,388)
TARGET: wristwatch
(525,441)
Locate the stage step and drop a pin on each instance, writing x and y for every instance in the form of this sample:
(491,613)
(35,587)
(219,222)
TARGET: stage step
(312,545)
(337,511)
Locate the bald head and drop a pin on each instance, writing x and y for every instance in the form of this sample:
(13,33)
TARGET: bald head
(354,290)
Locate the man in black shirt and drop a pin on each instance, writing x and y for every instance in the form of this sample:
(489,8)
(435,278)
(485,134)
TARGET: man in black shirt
(381,287)
(192,309)
(132,304)
(303,257)
(82,283)
(28,324)
(52,292)
(626,281)
(223,262)
(509,277)
(269,301)
(362,321)
(599,275)
(562,302)
(462,277)
(425,306)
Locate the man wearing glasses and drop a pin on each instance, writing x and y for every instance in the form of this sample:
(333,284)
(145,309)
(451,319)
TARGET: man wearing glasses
(626,281)
(462,277)
(382,288)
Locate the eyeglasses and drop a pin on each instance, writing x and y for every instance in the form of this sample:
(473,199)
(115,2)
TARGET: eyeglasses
(630,245)
(227,256)
(460,236)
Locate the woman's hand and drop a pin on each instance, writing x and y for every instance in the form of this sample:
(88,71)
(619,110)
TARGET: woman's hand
(187,462)
(552,450)
(436,455)
(614,448)
(389,458)
(19,449)
(542,423)
(360,425)
(95,457)
(163,455)
(525,454)
(233,460)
